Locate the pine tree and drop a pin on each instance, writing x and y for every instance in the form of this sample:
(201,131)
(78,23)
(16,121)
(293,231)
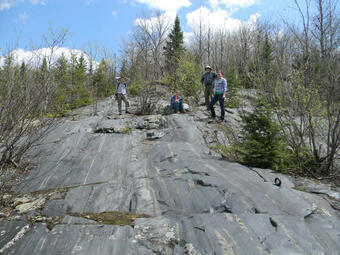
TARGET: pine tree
(83,94)
(174,47)
(262,141)
(62,96)
(267,55)
(43,72)
(99,79)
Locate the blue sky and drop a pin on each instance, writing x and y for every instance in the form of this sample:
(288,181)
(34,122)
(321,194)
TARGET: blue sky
(107,22)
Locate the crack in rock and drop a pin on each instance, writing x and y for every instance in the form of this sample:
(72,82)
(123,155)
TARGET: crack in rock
(170,158)
(203,184)
(273,222)
(17,237)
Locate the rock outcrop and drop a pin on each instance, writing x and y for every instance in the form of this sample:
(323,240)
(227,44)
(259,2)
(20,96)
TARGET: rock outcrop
(112,184)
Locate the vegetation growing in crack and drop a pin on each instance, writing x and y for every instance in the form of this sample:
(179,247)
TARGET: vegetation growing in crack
(111,218)
(127,129)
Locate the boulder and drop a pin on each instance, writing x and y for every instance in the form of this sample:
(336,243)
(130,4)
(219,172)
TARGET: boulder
(152,122)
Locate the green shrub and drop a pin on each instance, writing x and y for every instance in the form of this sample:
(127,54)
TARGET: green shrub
(263,145)
(186,78)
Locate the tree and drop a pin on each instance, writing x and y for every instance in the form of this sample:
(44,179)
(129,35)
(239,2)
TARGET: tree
(312,121)
(262,140)
(266,55)
(80,93)
(124,68)
(152,34)
(62,92)
(174,47)
(24,101)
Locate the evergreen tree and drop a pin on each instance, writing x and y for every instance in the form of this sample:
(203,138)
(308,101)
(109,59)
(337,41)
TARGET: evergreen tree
(266,55)
(83,96)
(62,95)
(174,47)
(262,141)
(6,76)
(99,79)
(61,71)
(24,81)
(42,72)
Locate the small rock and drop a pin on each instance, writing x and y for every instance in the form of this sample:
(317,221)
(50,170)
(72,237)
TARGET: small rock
(6,196)
(3,215)
(186,107)
(22,200)
(22,208)
(154,135)
(38,219)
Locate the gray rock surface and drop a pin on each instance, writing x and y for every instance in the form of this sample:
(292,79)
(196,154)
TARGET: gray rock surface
(173,195)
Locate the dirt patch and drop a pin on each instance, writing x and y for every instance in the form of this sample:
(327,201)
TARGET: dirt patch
(112,218)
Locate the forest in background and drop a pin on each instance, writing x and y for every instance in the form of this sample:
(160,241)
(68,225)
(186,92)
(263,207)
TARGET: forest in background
(294,67)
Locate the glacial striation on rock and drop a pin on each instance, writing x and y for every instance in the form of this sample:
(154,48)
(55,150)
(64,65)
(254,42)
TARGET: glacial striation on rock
(149,185)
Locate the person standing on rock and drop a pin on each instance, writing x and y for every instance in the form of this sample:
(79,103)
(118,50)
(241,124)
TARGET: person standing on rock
(207,81)
(122,83)
(220,93)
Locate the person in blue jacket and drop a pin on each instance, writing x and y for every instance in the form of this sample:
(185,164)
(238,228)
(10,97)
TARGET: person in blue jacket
(177,103)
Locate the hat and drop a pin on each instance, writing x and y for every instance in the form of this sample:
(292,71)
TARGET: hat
(207,67)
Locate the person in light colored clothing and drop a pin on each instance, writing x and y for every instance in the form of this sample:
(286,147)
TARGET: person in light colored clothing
(122,83)
(220,93)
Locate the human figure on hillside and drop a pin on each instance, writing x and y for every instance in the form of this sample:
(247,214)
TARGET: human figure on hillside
(207,81)
(220,94)
(177,103)
(122,83)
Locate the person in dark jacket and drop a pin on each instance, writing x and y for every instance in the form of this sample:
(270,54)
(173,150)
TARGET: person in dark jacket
(207,81)
(177,103)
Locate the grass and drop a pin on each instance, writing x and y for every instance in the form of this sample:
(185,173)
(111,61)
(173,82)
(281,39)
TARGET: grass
(127,129)
(300,188)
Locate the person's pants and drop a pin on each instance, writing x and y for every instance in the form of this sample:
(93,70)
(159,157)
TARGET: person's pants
(120,98)
(217,97)
(177,106)
(208,92)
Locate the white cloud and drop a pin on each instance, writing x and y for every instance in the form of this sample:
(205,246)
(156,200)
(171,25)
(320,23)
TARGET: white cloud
(166,5)
(23,17)
(114,13)
(166,18)
(214,3)
(6,4)
(34,58)
(36,2)
(253,18)
(187,37)
(216,19)
(231,5)
(236,3)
